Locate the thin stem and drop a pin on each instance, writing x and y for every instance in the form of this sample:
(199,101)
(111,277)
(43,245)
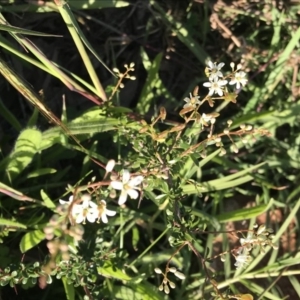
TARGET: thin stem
(149,247)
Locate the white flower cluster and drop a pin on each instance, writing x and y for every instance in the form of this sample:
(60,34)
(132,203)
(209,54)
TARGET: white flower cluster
(261,237)
(84,208)
(217,85)
(243,258)
(88,210)
(217,82)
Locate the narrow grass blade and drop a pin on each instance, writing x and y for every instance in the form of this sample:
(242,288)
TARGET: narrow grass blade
(9,117)
(261,95)
(78,38)
(7,190)
(4,43)
(15,29)
(72,85)
(46,7)
(244,214)
(147,95)
(10,223)
(182,33)
(32,97)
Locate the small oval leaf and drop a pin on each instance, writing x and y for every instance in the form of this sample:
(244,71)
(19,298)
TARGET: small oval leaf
(31,239)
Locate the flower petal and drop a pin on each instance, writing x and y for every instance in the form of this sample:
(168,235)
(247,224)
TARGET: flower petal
(86,197)
(136,181)
(104,218)
(133,194)
(91,217)
(220,65)
(63,202)
(219,91)
(77,209)
(93,205)
(117,185)
(207,84)
(110,213)
(210,64)
(80,218)
(122,198)
(126,176)
(85,203)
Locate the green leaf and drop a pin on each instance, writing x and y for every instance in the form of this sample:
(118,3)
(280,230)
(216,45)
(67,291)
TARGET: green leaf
(221,183)
(11,223)
(7,190)
(244,213)
(153,83)
(147,94)
(69,289)
(135,237)
(26,147)
(31,239)
(14,29)
(41,172)
(142,290)
(110,271)
(47,201)
(86,125)
(9,117)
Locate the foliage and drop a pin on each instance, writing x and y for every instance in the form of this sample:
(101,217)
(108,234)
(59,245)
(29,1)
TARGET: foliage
(151,184)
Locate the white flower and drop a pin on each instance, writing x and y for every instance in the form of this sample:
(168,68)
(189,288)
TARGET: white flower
(103,212)
(127,186)
(215,86)
(191,101)
(87,210)
(74,208)
(214,70)
(243,258)
(239,79)
(248,240)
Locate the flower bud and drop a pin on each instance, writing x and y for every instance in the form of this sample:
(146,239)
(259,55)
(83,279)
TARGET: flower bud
(110,165)
(166,289)
(179,275)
